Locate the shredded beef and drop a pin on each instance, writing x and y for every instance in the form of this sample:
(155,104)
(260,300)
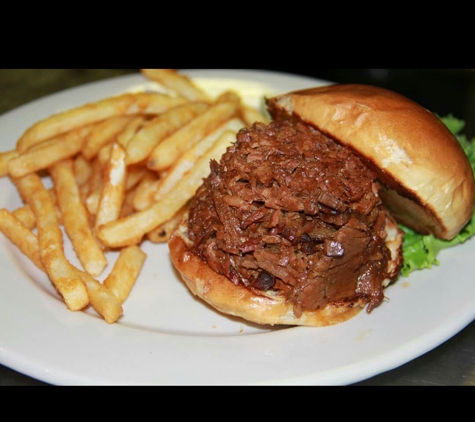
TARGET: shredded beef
(289,209)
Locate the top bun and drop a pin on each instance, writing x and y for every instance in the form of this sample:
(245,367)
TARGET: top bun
(427,180)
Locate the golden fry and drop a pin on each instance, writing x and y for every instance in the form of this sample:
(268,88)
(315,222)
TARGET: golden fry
(113,191)
(102,299)
(92,200)
(128,206)
(177,82)
(151,134)
(125,104)
(123,168)
(82,169)
(43,155)
(229,95)
(124,274)
(251,115)
(248,114)
(50,240)
(161,233)
(146,190)
(21,236)
(168,151)
(134,175)
(26,216)
(130,130)
(104,154)
(5,157)
(91,192)
(130,230)
(104,133)
(187,160)
(76,219)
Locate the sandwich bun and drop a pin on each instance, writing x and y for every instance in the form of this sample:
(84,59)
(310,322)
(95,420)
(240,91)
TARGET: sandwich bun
(426,183)
(268,307)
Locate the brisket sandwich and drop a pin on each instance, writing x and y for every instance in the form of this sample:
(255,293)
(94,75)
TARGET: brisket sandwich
(297,223)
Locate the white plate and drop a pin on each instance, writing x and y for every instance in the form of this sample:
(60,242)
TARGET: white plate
(167,337)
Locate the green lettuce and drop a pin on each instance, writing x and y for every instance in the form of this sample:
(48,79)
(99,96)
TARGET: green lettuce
(420,251)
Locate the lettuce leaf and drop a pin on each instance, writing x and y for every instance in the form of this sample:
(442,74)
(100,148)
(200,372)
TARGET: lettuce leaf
(420,251)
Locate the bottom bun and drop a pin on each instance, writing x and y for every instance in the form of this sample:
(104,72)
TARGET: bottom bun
(271,309)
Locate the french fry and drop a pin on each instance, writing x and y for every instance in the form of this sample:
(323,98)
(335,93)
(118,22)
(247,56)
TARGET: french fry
(59,216)
(168,151)
(130,130)
(26,216)
(131,229)
(128,205)
(101,299)
(104,154)
(126,104)
(248,114)
(123,169)
(104,133)
(178,82)
(123,275)
(187,160)
(251,115)
(5,157)
(161,233)
(91,192)
(21,236)
(50,240)
(134,175)
(92,200)
(76,219)
(151,134)
(227,96)
(44,155)
(146,190)
(113,191)
(82,169)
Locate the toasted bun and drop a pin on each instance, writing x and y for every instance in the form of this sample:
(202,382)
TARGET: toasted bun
(428,182)
(223,295)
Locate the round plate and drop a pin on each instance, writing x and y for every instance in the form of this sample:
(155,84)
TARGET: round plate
(168,337)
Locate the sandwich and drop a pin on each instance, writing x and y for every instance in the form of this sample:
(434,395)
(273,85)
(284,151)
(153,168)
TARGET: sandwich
(298,222)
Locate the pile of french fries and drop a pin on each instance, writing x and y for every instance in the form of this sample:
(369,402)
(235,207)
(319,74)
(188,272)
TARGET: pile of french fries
(122,171)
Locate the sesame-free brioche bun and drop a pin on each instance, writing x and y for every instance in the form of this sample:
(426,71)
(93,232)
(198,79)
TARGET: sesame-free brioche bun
(427,180)
(267,308)
(426,183)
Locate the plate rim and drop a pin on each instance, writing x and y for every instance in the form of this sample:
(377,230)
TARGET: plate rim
(31,366)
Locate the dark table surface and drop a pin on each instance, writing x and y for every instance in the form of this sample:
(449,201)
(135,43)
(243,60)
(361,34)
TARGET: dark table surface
(442,90)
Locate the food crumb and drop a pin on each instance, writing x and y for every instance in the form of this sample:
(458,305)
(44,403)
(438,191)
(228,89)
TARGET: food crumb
(363,334)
